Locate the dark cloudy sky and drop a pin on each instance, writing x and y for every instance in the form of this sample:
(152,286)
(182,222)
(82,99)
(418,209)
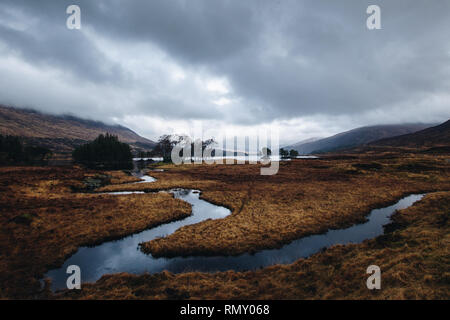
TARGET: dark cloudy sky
(310,68)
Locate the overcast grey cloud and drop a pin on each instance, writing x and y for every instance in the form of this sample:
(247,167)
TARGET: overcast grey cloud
(309,67)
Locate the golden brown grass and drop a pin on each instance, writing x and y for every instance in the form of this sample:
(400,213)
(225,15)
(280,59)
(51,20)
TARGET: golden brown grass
(119,177)
(305,197)
(413,255)
(43,222)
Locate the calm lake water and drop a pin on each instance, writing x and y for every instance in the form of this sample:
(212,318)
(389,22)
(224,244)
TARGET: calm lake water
(125,256)
(239,158)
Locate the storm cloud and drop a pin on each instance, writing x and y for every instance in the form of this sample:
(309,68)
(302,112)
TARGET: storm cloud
(309,67)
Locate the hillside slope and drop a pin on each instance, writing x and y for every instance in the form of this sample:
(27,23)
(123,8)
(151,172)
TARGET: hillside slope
(62,133)
(437,136)
(300,143)
(358,136)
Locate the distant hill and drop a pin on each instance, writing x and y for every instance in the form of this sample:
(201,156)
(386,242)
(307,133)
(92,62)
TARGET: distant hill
(433,137)
(358,137)
(62,133)
(300,143)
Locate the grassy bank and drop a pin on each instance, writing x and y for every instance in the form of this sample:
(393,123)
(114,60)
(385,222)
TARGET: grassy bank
(43,221)
(47,214)
(305,197)
(413,255)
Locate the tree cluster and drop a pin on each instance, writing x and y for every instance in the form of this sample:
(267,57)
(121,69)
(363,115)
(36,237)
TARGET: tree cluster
(105,152)
(14,152)
(285,154)
(167,142)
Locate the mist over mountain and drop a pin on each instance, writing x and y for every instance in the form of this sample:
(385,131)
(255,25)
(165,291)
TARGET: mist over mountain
(62,133)
(436,136)
(307,67)
(300,143)
(357,137)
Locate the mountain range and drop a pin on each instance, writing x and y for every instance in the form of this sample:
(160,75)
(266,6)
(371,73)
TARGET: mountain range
(356,137)
(300,143)
(62,133)
(433,137)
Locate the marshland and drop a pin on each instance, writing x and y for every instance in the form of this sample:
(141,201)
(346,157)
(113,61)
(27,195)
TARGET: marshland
(332,118)
(51,213)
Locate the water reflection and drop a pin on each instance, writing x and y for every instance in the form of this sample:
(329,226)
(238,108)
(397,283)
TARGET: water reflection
(124,255)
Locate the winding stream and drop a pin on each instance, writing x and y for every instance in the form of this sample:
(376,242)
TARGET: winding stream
(125,256)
